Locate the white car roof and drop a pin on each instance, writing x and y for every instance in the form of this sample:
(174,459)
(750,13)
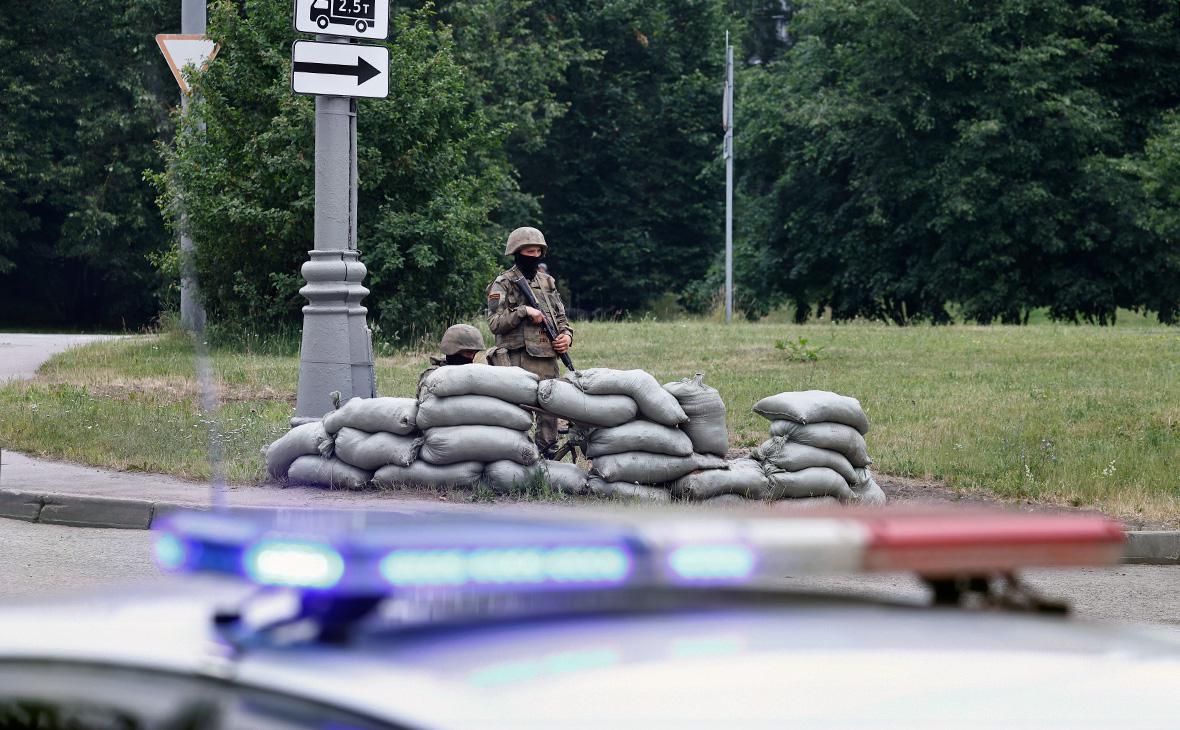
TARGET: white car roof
(825,662)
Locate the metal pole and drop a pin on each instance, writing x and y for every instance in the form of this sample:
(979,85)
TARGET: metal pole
(728,180)
(192,312)
(337,350)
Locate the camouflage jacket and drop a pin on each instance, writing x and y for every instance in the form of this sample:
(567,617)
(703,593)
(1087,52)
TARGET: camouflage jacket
(506,318)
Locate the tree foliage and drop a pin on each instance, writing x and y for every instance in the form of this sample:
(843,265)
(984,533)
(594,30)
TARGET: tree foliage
(624,200)
(242,168)
(81,113)
(907,156)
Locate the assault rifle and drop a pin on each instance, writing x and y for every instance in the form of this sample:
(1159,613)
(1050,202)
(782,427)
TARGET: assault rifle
(526,291)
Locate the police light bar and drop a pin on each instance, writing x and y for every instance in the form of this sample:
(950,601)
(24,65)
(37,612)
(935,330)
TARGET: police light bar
(376,554)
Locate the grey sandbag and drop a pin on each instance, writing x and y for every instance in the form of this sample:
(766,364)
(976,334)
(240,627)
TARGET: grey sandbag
(392,415)
(505,475)
(866,490)
(646,436)
(816,481)
(706,414)
(602,488)
(452,444)
(814,406)
(316,471)
(566,478)
(726,500)
(655,403)
(511,384)
(562,398)
(833,436)
(375,450)
(422,474)
(744,477)
(471,410)
(305,440)
(640,467)
(791,456)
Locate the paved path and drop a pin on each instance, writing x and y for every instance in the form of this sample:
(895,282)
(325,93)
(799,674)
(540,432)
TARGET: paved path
(21,354)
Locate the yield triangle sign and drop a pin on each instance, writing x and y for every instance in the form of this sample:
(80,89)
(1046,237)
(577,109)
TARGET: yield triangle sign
(182,50)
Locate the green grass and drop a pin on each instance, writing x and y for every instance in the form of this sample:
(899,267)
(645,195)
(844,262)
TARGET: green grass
(1077,415)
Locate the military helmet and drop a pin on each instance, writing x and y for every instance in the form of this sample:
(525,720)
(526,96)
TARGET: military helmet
(461,337)
(525,236)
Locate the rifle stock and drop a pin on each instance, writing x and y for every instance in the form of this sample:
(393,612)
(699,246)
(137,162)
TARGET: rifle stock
(526,291)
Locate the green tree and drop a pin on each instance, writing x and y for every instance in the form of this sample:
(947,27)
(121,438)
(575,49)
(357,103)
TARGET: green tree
(517,52)
(904,156)
(625,204)
(81,111)
(428,168)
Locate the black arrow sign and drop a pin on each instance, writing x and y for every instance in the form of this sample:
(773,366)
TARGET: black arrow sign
(363,70)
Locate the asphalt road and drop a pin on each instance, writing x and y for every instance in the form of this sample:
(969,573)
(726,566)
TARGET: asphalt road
(45,562)
(22,354)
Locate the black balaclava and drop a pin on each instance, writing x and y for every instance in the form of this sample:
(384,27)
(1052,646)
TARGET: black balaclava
(458,359)
(527,264)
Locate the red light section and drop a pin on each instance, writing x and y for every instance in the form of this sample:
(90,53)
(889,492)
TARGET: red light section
(955,544)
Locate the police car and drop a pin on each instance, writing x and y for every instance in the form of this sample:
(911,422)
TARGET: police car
(588,620)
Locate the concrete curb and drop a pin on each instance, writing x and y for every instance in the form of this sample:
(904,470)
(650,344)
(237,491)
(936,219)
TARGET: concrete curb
(1153,547)
(1144,547)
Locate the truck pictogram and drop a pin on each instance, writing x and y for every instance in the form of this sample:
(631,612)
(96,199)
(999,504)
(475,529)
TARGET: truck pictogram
(357,13)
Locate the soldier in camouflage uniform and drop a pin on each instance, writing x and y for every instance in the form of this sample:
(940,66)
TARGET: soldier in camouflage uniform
(460,345)
(520,336)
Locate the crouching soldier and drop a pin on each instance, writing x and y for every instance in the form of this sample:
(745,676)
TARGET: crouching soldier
(518,327)
(460,344)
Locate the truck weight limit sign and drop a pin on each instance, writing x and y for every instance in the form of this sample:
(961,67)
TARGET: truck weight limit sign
(347,18)
(340,69)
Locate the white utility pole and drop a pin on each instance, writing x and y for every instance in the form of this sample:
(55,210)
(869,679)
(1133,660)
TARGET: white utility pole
(727,121)
(192,311)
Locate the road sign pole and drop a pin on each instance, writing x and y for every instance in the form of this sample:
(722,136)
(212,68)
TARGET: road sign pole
(337,351)
(728,180)
(192,311)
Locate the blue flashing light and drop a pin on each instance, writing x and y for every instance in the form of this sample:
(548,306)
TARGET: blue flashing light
(295,563)
(425,567)
(171,553)
(712,562)
(593,564)
(600,564)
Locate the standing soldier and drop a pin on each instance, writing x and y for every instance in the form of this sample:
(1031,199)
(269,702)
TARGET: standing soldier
(520,334)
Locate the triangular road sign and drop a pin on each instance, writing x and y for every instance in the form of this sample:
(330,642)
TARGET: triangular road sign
(181,50)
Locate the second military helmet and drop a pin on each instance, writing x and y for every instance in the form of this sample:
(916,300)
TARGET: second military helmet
(461,337)
(525,236)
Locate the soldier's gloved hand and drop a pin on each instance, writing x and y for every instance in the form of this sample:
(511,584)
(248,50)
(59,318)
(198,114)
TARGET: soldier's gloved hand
(562,344)
(534,314)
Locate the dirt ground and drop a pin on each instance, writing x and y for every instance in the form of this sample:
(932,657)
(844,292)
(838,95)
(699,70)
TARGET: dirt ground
(901,490)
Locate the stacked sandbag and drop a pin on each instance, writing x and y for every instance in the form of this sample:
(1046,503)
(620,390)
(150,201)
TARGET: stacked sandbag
(741,478)
(565,400)
(706,414)
(506,477)
(654,403)
(368,434)
(305,456)
(816,448)
(635,431)
(309,439)
(472,413)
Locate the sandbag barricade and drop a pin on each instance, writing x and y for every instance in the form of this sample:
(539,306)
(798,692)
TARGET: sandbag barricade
(467,418)
(646,441)
(816,448)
